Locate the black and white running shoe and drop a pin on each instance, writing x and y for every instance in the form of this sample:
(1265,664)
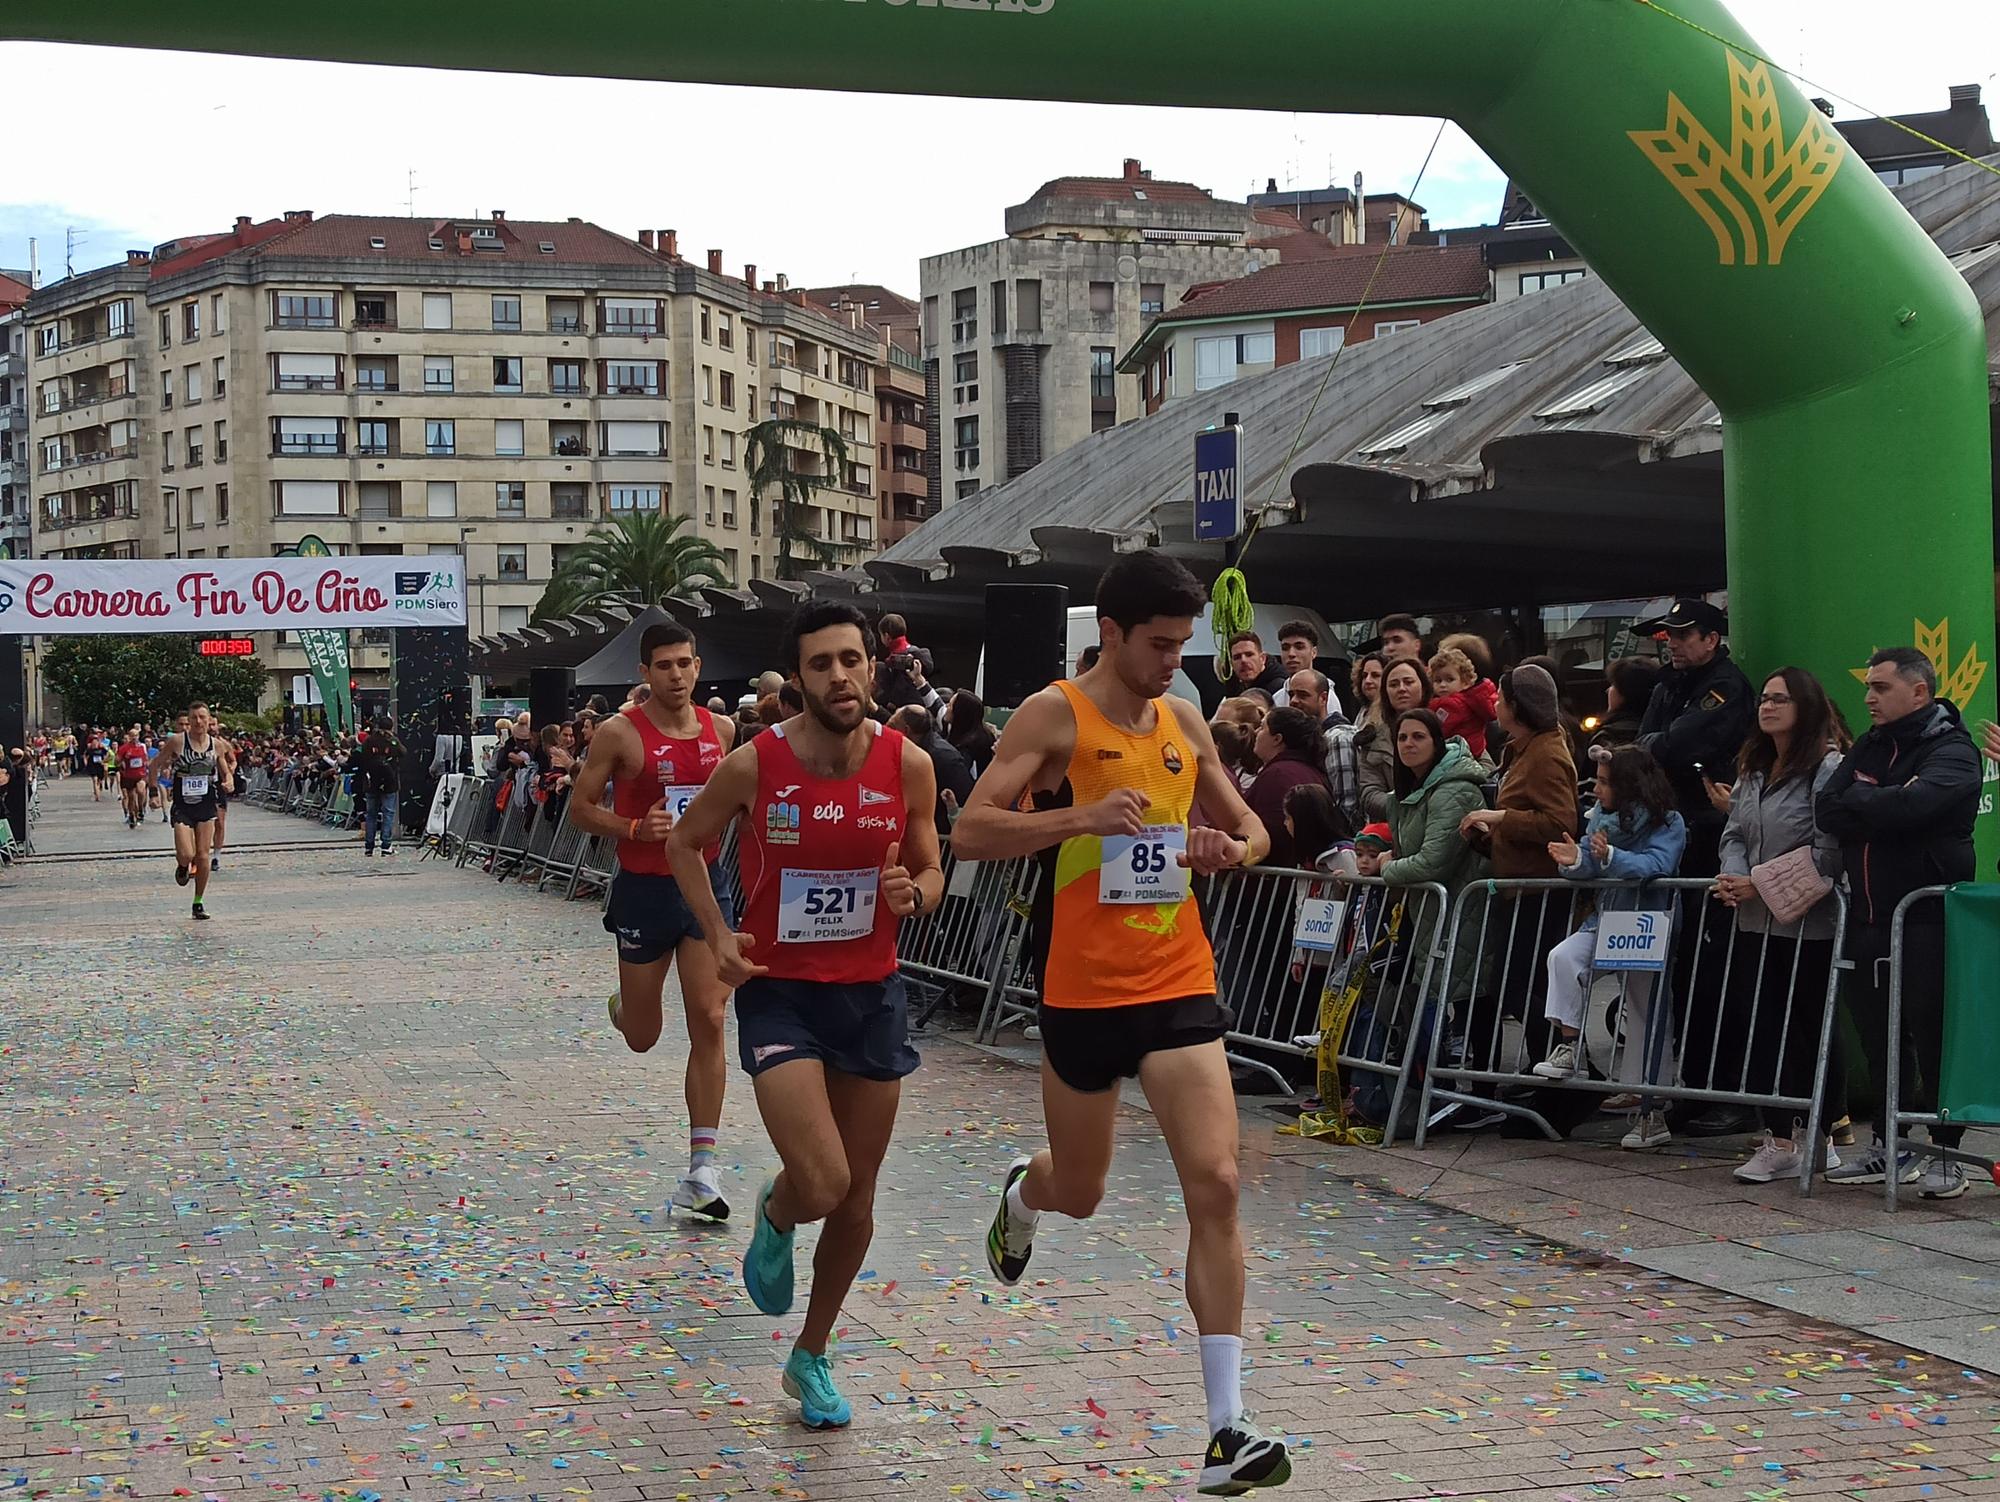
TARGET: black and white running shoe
(1240,1457)
(1009,1243)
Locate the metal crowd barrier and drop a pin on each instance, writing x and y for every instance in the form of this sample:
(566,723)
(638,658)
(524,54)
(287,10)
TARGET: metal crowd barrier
(975,938)
(1896,1120)
(1299,953)
(1501,934)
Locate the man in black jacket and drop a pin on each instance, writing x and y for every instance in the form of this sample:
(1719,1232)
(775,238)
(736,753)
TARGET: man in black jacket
(1902,805)
(1250,668)
(1697,721)
(954,773)
(1695,725)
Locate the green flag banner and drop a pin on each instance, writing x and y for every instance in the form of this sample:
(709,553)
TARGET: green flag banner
(1969,1088)
(326,655)
(1846,355)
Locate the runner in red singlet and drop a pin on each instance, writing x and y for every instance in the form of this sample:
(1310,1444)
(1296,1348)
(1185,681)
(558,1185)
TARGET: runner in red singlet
(657,755)
(838,842)
(133,760)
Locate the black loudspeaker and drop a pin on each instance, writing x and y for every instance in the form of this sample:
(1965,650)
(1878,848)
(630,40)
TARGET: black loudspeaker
(431,679)
(548,696)
(1027,631)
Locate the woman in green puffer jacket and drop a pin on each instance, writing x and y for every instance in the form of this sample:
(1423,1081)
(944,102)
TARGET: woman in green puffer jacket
(1437,783)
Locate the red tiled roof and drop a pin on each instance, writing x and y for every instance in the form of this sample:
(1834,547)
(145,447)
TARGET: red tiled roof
(864,293)
(1304,246)
(197,250)
(1123,190)
(12,293)
(1280,219)
(1410,273)
(348,235)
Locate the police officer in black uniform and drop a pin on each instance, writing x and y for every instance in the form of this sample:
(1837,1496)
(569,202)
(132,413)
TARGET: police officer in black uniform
(1695,726)
(1698,719)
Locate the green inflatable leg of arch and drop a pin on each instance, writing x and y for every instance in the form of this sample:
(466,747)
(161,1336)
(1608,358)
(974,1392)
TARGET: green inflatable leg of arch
(1846,355)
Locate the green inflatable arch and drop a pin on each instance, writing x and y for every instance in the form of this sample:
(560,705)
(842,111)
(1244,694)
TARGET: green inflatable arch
(1846,355)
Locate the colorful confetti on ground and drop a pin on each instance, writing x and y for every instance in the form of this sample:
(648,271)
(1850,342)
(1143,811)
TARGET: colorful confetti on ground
(350,1196)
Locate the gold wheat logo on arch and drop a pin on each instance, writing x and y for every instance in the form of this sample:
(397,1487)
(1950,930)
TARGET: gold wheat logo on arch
(1753,194)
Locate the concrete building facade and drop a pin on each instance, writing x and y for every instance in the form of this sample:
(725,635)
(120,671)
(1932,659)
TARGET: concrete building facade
(1022,335)
(16,470)
(407,387)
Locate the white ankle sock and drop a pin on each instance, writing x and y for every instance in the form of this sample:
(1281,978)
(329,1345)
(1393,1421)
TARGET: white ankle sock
(1222,1378)
(1018,1208)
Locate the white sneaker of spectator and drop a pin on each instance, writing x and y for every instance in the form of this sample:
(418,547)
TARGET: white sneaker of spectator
(1778,1158)
(1649,1129)
(1560,1064)
(1872,1167)
(1942,1179)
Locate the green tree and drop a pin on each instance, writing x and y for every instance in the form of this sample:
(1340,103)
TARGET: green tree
(117,680)
(768,464)
(641,558)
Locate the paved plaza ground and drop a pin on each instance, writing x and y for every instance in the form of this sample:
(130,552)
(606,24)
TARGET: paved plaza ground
(350,1194)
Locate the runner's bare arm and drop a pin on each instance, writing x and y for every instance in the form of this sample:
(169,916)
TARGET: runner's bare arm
(614,751)
(1239,837)
(725,732)
(916,858)
(730,790)
(1041,734)
(169,748)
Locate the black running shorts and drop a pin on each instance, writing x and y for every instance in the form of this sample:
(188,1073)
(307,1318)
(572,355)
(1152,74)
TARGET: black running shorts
(1092,1048)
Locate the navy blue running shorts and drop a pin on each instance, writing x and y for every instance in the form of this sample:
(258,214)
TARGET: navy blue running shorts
(859,1030)
(650,917)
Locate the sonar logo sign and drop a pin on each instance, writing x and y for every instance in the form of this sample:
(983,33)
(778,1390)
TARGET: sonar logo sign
(1633,941)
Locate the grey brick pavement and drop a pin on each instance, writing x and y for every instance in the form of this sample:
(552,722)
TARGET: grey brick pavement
(350,1194)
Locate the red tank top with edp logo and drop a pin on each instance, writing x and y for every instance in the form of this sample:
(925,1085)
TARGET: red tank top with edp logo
(672,769)
(812,852)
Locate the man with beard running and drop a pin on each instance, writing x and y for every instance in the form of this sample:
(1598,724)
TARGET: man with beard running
(1098,775)
(195,759)
(132,759)
(838,843)
(657,755)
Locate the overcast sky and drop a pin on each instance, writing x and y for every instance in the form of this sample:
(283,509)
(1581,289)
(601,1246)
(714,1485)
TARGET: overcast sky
(771,188)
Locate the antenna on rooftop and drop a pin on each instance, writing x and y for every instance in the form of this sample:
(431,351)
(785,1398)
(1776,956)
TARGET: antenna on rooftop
(410,196)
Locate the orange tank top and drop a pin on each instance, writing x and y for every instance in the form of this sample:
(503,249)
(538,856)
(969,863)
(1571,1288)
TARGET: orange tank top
(1119,925)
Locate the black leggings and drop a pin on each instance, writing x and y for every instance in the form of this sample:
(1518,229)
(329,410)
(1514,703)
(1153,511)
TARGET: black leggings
(1783,1052)
(1919,1052)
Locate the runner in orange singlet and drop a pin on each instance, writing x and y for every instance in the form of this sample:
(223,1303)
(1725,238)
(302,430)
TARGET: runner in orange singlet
(1111,764)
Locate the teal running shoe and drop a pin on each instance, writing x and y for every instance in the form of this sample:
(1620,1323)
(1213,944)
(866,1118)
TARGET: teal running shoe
(810,1379)
(767,1264)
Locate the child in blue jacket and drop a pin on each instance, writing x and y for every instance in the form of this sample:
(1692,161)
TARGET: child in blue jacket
(1633,834)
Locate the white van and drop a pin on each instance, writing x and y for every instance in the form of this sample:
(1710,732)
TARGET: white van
(1082,632)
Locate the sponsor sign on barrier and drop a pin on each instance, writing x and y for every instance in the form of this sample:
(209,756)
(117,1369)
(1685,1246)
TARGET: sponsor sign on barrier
(1632,941)
(1318,925)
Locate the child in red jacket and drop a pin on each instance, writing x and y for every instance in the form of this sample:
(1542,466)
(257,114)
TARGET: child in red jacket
(1464,702)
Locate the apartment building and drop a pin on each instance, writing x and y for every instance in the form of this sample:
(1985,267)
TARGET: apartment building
(96,493)
(1023,334)
(903,460)
(400,386)
(16,487)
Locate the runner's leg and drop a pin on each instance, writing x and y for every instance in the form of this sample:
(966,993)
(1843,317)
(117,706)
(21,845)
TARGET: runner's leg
(705,999)
(864,1112)
(184,844)
(204,832)
(639,989)
(798,1118)
(1068,1175)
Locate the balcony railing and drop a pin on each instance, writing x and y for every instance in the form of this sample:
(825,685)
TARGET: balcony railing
(116,391)
(92,336)
(95,456)
(565,325)
(646,330)
(305,321)
(380,511)
(368,321)
(389,450)
(569,507)
(307,383)
(307,446)
(576,390)
(631,391)
(362,383)
(570,448)
(84,516)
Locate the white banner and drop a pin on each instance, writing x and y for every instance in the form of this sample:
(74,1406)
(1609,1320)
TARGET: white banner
(127,596)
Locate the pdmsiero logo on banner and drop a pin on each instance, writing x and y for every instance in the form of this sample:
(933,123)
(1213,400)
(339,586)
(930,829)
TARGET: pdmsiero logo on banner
(217,596)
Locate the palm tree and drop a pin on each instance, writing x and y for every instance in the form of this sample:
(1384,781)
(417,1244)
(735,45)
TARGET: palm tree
(767,462)
(641,558)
